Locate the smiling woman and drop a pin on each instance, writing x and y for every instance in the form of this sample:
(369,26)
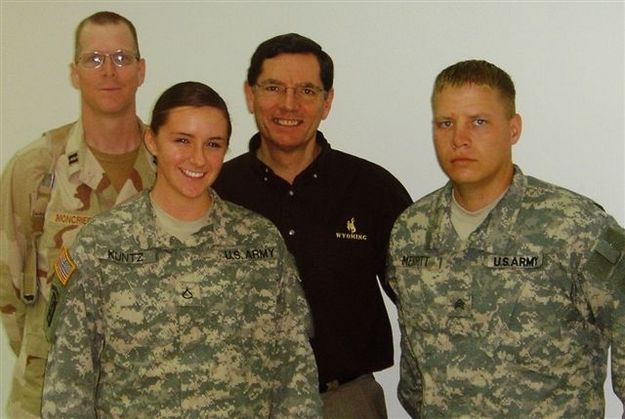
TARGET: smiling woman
(164,288)
(189,142)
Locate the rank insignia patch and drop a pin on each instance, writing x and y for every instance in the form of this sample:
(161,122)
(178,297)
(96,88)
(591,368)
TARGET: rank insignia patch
(64,267)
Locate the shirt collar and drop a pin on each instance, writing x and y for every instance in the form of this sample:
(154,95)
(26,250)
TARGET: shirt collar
(314,169)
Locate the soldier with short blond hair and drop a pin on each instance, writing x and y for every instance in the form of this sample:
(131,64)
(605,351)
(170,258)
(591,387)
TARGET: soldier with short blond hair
(52,187)
(510,289)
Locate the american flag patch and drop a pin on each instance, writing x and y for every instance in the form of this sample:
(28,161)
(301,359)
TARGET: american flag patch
(64,267)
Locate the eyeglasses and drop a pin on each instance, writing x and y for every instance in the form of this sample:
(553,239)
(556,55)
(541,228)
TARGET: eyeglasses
(95,59)
(306,92)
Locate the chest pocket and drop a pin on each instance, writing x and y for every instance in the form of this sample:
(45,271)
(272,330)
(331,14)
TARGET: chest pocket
(227,302)
(460,297)
(437,295)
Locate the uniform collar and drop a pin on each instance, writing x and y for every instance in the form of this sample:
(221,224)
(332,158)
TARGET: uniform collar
(495,235)
(83,165)
(150,236)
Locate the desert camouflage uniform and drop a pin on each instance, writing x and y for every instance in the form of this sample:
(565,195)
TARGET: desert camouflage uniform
(517,320)
(148,326)
(80,190)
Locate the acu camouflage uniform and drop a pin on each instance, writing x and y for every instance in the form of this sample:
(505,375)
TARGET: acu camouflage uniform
(80,190)
(148,326)
(517,320)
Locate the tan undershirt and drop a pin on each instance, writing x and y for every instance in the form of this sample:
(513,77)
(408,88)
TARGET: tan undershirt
(466,222)
(178,228)
(117,167)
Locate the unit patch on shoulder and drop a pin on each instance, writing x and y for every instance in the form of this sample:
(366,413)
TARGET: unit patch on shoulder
(64,267)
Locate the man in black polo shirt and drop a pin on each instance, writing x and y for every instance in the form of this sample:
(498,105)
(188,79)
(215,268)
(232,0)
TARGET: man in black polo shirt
(334,210)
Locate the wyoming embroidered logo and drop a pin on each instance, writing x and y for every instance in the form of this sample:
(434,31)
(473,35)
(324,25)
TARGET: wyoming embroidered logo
(351,234)
(351,226)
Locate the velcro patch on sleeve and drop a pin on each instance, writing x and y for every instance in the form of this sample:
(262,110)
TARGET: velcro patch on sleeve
(608,253)
(613,245)
(64,267)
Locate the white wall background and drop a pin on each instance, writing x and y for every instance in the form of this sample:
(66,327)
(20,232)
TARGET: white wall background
(566,59)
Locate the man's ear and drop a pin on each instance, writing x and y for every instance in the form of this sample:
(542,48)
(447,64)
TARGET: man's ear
(74,77)
(327,103)
(249,96)
(516,126)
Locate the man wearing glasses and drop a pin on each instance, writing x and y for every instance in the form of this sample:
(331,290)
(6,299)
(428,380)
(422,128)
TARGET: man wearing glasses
(334,210)
(55,185)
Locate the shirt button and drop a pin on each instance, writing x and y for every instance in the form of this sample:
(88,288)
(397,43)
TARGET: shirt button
(291,232)
(265,178)
(291,193)
(315,175)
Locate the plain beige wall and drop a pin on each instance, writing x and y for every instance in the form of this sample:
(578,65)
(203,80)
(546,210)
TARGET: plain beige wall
(566,60)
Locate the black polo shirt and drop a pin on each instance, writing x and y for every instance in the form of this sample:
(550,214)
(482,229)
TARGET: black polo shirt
(336,219)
